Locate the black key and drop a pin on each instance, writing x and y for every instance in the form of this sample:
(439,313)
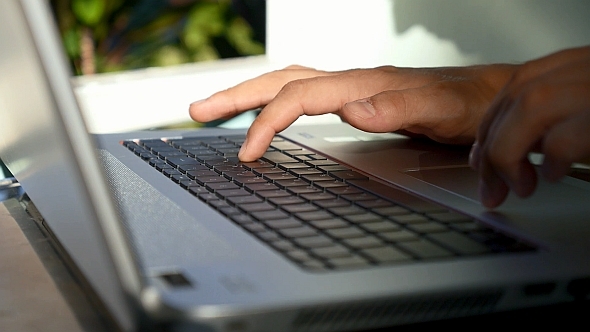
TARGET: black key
(268,170)
(200,190)
(283,223)
(292,166)
(276,157)
(239,200)
(305,171)
(194,167)
(460,243)
(364,242)
(272,193)
(222,186)
(380,226)
(232,192)
(255,187)
(314,215)
(428,227)
(284,200)
(291,183)
(210,179)
(201,173)
(413,202)
(271,214)
(333,168)
(425,249)
(386,254)
(321,162)
(348,262)
(335,251)
(257,207)
(182,160)
(332,203)
(285,146)
(240,174)
(297,208)
(346,233)
(348,175)
(314,241)
(298,232)
(317,177)
(248,181)
(329,223)
(279,176)
(399,236)
(301,190)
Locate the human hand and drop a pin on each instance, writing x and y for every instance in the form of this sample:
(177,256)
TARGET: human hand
(445,104)
(544,107)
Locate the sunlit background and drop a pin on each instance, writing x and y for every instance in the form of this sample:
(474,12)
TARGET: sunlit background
(115,35)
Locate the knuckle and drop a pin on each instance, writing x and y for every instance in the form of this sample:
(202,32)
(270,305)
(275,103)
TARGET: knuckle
(294,86)
(294,67)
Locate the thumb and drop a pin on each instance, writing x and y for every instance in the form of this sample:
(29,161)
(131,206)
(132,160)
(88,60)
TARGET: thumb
(384,112)
(443,113)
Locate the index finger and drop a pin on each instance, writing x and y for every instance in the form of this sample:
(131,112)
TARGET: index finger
(312,96)
(250,94)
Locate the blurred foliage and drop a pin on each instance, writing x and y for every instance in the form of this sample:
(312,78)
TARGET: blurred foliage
(112,35)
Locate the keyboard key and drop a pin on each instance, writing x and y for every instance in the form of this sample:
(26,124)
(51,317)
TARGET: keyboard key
(329,223)
(425,249)
(366,217)
(345,233)
(413,218)
(296,232)
(397,195)
(428,227)
(348,262)
(386,254)
(399,236)
(460,243)
(336,251)
(283,223)
(276,157)
(380,226)
(364,242)
(314,241)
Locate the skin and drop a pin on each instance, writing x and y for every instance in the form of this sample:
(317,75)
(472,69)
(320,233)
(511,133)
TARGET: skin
(544,107)
(508,110)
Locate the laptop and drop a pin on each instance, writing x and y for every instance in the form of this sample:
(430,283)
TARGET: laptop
(334,229)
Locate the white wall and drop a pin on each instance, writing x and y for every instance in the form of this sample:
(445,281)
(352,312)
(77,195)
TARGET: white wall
(335,34)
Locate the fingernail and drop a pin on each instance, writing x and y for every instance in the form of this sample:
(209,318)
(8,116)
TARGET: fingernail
(362,108)
(474,156)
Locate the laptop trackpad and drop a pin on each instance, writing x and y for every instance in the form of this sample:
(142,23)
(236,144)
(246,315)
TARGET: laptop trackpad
(460,180)
(463,181)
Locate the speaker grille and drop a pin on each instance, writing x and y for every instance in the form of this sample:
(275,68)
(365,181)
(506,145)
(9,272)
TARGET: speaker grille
(394,312)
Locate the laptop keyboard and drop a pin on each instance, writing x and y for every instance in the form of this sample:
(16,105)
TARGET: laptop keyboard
(314,211)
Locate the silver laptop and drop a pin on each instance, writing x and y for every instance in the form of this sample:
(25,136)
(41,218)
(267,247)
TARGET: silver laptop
(333,229)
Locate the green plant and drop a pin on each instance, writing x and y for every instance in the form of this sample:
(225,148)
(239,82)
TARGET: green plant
(112,35)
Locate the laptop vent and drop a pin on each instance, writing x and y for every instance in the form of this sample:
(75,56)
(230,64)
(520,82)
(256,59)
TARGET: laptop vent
(394,312)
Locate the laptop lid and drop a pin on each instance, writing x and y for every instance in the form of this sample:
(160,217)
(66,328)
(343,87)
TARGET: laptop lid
(44,142)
